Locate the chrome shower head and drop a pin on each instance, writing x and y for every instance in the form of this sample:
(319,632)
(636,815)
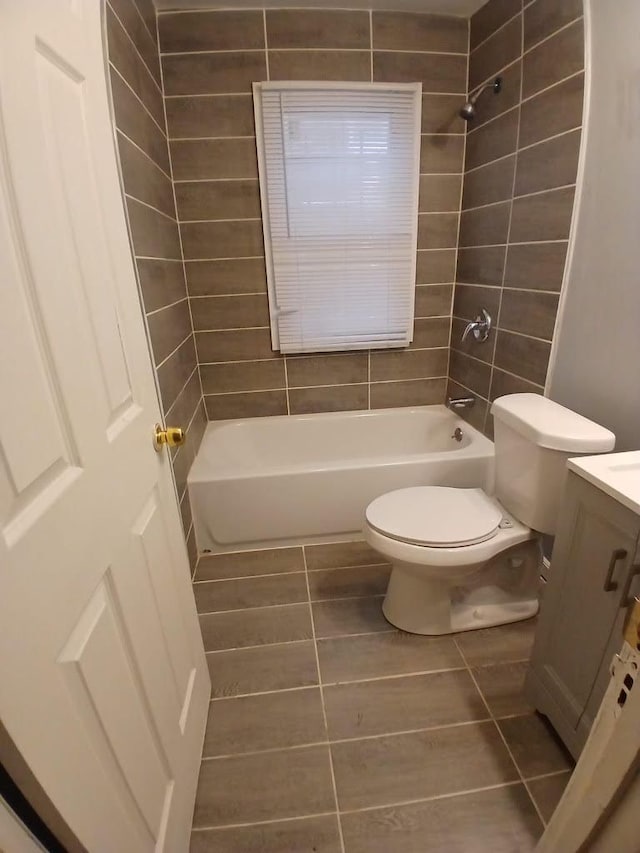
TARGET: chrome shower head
(468,111)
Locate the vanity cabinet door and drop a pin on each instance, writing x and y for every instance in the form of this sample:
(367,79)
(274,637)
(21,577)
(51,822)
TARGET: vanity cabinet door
(593,553)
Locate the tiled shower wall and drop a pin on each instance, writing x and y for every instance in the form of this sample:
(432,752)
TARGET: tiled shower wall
(138,107)
(210,60)
(519,184)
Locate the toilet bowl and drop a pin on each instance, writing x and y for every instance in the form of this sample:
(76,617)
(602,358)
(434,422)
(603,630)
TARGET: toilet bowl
(437,538)
(462,559)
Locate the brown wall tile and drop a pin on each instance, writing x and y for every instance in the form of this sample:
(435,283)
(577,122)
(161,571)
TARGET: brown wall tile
(430,332)
(491,104)
(224,30)
(235,345)
(139,34)
(168,328)
(206,200)
(544,17)
(553,111)
(319,65)
(407,31)
(161,282)
(414,392)
(338,398)
(437,73)
(137,123)
(493,140)
(210,115)
(222,239)
(548,164)
(154,234)
(490,17)
(201,159)
(525,357)
(554,59)
(436,266)
(175,371)
(439,193)
(529,313)
(437,230)
(468,300)
(243,376)
(188,400)
(256,404)
(433,300)
(470,372)
(477,414)
(441,114)
(143,180)
(417,364)
(505,383)
(127,61)
(148,13)
(482,265)
(316,28)
(441,154)
(546,216)
(490,183)
(498,51)
(208,73)
(485,226)
(218,278)
(313,370)
(229,312)
(536,266)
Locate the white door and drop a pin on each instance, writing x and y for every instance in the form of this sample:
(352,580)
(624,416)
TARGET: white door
(103,681)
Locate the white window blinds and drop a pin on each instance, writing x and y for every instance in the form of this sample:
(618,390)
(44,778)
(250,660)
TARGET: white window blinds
(339,174)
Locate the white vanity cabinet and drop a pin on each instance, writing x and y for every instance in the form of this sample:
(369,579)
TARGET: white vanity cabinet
(594,571)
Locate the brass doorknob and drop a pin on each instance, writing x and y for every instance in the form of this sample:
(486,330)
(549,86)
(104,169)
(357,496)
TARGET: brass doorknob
(171,436)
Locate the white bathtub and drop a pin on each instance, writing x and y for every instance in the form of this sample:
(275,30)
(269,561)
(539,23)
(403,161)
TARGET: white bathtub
(267,482)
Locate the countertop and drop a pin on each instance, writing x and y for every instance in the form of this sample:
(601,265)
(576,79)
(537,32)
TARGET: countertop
(617,474)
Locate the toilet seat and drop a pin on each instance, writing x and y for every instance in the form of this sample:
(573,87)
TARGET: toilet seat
(436,516)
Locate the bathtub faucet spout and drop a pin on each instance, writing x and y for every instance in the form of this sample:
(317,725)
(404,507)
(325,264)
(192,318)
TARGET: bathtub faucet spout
(460,402)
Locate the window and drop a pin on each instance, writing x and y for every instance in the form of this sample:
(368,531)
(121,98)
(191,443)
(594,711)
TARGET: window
(339,175)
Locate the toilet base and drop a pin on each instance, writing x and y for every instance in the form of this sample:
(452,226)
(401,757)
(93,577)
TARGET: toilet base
(425,606)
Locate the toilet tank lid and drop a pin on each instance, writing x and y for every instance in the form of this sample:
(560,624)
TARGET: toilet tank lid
(550,425)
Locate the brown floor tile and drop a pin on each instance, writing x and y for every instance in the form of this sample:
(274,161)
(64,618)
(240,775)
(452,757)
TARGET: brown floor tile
(317,834)
(503,688)
(547,792)
(497,645)
(400,704)
(377,655)
(267,721)
(349,616)
(396,768)
(268,786)
(266,668)
(536,748)
(338,555)
(342,583)
(502,820)
(248,563)
(255,627)
(237,594)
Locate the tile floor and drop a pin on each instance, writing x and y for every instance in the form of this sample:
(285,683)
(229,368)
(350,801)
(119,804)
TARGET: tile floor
(331,732)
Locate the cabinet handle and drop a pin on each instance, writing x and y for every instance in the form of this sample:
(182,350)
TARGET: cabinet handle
(627,600)
(618,554)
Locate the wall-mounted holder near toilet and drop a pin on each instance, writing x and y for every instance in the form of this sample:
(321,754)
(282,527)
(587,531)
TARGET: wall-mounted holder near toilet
(480,327)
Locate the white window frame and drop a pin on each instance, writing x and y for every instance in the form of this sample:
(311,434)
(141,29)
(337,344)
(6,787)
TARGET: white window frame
(258,88)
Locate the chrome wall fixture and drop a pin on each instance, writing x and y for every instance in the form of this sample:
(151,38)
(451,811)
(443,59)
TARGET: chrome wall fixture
(480,327)
(468,111)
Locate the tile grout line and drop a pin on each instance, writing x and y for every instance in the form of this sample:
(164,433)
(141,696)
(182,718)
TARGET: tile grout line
(324,709)
(501,735)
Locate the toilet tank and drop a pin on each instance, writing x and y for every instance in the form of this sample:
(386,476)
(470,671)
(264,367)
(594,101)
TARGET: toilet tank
(534,437)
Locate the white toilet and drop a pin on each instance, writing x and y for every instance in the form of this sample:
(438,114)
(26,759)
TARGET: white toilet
(463,559)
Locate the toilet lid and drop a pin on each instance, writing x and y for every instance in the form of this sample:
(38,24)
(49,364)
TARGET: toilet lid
(437,516)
